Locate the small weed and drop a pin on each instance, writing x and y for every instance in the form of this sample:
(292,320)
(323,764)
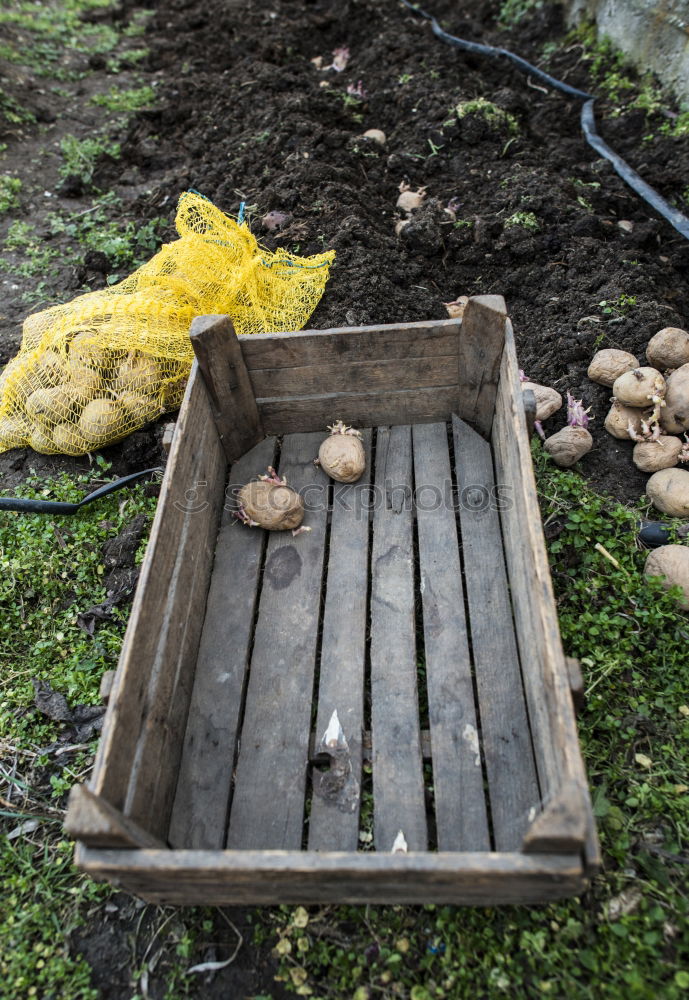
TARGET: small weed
(463,223)
(405,78)
(81,156)
(512,11)
(125,100)
(527,220)
(49,571)
(617,307)
(9,192)
(496,117)
(12,112)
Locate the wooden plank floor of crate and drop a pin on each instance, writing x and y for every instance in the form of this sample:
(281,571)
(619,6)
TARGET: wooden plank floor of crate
(394,612)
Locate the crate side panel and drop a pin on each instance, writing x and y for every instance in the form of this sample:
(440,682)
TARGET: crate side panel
(161,642)
(544,669)
(272,877)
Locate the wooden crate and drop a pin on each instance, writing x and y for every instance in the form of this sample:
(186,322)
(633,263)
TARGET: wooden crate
(419,607)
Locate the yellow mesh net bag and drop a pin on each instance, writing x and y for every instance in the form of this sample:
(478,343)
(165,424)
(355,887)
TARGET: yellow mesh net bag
(90,372)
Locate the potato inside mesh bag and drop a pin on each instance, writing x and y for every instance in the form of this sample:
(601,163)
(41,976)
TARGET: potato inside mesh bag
(90,372)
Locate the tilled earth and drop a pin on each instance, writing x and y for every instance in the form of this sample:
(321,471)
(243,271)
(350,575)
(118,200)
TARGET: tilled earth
(244,114)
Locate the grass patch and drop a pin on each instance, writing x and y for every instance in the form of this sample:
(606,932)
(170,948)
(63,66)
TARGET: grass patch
(9,192)
(50,569)
(495,117)
(125,100)
(80,157)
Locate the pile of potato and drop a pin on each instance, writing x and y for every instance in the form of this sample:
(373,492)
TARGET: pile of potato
(80,397)
(650,406)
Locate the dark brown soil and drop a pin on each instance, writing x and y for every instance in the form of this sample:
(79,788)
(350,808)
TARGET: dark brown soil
(244,115)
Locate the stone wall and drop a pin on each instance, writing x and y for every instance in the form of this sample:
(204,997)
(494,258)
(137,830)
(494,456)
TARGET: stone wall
(653,33)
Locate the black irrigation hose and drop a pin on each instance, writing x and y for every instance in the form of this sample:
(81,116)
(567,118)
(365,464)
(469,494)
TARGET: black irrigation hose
(26,506)
(588,121)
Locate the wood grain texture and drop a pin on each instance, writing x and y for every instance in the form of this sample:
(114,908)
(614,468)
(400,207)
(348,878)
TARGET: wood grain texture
(460,807)
(136,764)
(267,809)
(379,375)
(271,877)
(398,791)
(561,827)
(96,823)
(221,362)
(199,814)
(546,679)
(334,818)
(481,343)
(512,783)
(311,413)
(404,341)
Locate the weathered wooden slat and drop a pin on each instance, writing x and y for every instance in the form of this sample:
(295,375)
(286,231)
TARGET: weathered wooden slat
(307,413)
(398,791)
(353,376)
(512,783)
(222,366)
(481,343)
(561,827)
(136,764)
(267,807)
(334,818)
(460,807)
(351,344)
(251,877)
(546,678)
(199,814)
(98,824)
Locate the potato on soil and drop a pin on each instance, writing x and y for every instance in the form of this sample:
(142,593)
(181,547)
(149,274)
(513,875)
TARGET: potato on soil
(638,387)
(619,417)
(568,445)
(669,348)
(651,456)
(609,364)
(668,491)
(101,422)
(272,505)
(672,563)
(548,401)
(674,416)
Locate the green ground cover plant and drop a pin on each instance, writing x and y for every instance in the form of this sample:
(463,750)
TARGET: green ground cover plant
(50,569)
